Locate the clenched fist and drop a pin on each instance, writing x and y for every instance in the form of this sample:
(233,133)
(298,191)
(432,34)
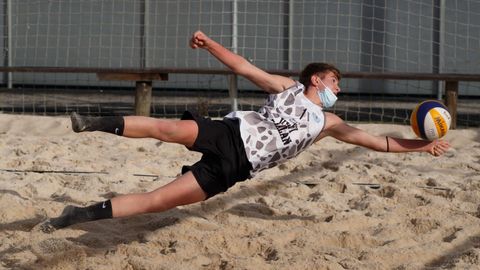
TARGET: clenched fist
(199,40)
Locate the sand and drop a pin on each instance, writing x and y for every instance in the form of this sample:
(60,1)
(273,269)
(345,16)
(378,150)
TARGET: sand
(335,206)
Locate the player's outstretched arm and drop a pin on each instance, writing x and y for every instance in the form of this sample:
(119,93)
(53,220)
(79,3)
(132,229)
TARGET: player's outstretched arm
(338,129)
(270,83)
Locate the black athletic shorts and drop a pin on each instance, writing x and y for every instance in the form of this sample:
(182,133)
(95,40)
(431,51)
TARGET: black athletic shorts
(224,161)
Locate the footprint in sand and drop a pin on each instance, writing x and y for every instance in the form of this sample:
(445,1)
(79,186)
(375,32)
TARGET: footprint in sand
(452,235)
(422,226)
(269,254)
(359,204)
(388,192)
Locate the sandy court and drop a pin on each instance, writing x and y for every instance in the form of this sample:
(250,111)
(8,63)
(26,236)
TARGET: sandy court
(335,206)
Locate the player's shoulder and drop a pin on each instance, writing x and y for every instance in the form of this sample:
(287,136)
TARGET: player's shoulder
(332,118)
(331,122)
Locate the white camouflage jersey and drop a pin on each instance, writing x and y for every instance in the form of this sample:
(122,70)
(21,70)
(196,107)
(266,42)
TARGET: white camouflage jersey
(285,126)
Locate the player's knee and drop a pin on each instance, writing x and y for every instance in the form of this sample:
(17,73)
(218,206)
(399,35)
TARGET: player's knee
(166,130)
(156,203)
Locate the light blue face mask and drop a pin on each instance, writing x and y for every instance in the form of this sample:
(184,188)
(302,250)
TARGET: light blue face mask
(327,97)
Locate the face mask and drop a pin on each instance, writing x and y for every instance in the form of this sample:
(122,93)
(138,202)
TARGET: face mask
(327,97)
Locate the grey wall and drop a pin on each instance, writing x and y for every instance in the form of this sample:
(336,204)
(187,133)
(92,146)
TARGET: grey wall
(367,35)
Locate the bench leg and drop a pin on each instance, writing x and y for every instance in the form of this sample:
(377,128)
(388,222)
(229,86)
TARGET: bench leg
(143,98)
(451,98)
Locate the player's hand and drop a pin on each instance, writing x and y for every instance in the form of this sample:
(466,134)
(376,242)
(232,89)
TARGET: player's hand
(199,40)
(438,147)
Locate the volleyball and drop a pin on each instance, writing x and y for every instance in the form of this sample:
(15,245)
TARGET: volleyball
(430,120)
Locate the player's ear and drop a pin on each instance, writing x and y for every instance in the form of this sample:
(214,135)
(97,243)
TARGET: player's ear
(314,80)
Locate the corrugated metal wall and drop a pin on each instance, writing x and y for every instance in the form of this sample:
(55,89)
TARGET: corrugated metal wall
(368,35)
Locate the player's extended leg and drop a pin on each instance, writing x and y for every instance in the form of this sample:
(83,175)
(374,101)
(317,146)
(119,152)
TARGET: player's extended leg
(178,131)
(181,191)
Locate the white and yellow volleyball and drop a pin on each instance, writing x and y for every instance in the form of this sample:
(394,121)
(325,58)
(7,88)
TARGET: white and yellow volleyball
(430,120)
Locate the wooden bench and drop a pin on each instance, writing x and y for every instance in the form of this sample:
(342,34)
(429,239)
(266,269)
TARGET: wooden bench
(144,77)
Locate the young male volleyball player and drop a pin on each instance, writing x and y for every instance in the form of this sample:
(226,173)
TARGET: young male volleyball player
(239,146)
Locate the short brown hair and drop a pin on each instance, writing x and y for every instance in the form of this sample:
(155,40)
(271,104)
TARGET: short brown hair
(314,68)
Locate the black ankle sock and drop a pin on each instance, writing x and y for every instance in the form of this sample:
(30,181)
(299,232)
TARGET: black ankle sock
(73,215)
(110,124)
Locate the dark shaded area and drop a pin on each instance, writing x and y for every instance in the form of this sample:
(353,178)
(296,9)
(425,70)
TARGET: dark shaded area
(260,211)
(463,251)
(25,225)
